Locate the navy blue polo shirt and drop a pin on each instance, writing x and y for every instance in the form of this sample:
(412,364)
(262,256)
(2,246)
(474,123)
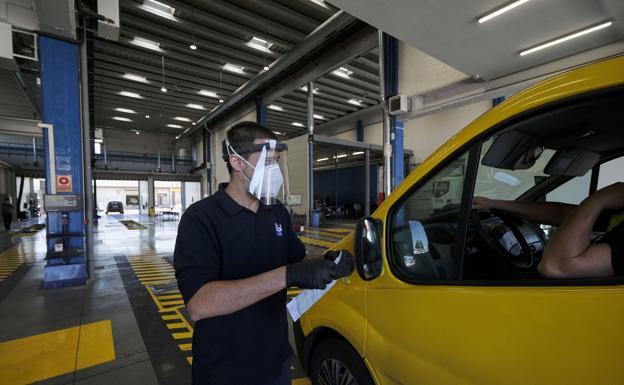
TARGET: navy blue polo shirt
(220,240)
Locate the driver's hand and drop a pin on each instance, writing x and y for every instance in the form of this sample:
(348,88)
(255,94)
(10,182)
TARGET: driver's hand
(481,203)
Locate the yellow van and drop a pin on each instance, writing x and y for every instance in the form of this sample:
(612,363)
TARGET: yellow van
(444,294)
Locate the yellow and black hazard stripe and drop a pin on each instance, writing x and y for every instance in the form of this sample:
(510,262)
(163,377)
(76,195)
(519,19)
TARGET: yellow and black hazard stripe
(10,260)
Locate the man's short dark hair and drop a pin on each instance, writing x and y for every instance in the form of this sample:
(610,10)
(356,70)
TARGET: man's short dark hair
(244,134)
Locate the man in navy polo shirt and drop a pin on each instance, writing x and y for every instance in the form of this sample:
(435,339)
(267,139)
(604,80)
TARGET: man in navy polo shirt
(235,255)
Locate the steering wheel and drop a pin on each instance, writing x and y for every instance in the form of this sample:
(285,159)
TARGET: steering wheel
(497,235)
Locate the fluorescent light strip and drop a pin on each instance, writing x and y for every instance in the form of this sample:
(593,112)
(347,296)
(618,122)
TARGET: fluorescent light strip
(174,125)
(234,68)
(210,94)
(136,78)
(320,117)
(322,159)
(159,9)
(500,11)
(566,38)
(355,102)
(275,108)
(340,156)
(126,110)
(343,73)
(122,119)
(182,119)
(358,153)
(259,44)
(278,133)
(145,43)
(195,106)
(296,124)
(130,94)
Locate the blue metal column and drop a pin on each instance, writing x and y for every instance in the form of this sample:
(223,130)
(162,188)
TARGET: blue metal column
(261,112)
(359,130)
(60,96)
(391,77)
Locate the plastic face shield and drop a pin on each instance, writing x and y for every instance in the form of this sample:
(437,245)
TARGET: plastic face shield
(269,182)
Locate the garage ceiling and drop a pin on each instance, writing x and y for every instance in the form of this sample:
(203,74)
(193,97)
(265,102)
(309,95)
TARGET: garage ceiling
(221,31)
(448,30)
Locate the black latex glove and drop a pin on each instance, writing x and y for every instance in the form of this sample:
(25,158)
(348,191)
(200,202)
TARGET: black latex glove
(345,267)
(311,274)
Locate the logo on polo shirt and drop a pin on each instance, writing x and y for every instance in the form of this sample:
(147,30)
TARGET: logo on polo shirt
(278,229)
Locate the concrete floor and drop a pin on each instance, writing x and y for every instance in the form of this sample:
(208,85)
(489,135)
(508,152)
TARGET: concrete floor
(132,286)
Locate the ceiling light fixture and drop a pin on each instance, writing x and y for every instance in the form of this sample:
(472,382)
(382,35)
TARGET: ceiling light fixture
(266,68)
(182,119)
(317,116)
(163,88)
(355,102)
(340,156)
(322,159)
(195,106)
(358,153)
(221,100)
(567,37)
(136,78)
(130,94)
(159,9)
(275,107)
(210,94)
(278,133)
(193,46)
(98,140)
(259,44)
(137,132)
(126,110)
(296,124)
(343,73)
(121,118)
(305,89)
(502,10)
(174,125)
(234,68)
(320,3)
(146,116)
(145,43)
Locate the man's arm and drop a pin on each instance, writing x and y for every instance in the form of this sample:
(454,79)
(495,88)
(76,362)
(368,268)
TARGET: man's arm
(224,297)
(569,253)
(547,213)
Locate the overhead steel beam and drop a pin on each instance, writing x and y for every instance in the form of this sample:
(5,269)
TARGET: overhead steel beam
(320,36)
(22,127)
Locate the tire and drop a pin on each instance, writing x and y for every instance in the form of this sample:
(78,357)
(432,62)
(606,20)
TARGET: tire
(333,359)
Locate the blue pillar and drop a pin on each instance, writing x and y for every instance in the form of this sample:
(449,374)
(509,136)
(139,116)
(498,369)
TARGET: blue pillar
(391,73)
(60,94)
(497,101)
(359,130)
(261,112)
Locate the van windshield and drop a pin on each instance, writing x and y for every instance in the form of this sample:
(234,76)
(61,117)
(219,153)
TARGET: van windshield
(496,183)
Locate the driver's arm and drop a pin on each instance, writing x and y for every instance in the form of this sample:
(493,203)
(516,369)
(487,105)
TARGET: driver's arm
(546,213)
(569,254)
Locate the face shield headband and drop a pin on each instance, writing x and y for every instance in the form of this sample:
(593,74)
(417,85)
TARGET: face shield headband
(267,180)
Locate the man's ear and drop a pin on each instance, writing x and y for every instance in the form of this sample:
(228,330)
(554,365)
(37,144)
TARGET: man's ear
(236,163)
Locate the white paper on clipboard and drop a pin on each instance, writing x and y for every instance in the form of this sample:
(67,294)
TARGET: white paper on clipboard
(303,301)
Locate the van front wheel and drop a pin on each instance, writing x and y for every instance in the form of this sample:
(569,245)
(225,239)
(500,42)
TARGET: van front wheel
(336,363)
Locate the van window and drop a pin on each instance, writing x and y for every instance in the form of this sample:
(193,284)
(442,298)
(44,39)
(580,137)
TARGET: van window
(423,229)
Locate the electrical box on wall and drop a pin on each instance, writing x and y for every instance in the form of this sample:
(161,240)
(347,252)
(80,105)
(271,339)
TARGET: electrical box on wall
(398,105)
(110,10)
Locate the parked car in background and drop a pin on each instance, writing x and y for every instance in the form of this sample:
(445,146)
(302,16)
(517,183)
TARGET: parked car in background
(114,207)
(446,294)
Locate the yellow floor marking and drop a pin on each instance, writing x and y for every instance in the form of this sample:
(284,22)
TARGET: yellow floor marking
(35,358)
(183,335)
(154,270)
(326,233)
(185,347)
(170,296)
(155,275)
(169,303)
(190,360)
(332,229)
(176,325)
(316,242)
(301,381)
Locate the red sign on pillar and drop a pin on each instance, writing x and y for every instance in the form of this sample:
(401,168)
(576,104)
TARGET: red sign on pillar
(63,183)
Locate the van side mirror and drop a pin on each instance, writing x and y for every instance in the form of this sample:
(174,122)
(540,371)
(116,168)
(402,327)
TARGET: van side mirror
(368,248)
